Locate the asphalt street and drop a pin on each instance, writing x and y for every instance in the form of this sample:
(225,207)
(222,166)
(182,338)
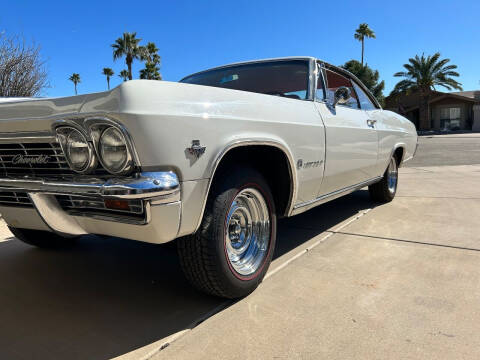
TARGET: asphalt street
(442,150)
(350,279)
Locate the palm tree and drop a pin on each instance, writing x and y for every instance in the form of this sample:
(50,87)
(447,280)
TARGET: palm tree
(127,46)
(361,33)
(75,78)
(108,72)
(150,72)
(423,74)
(124,75)
(149,54)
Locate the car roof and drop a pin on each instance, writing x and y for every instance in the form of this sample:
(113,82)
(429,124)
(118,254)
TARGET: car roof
(286,58)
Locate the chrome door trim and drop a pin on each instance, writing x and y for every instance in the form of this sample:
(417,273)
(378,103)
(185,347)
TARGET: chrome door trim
(304,206)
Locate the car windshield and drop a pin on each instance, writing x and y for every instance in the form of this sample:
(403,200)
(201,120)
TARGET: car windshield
(280,78)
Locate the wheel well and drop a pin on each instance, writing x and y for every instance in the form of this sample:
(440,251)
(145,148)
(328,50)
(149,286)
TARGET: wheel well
(271,162)
(399,155)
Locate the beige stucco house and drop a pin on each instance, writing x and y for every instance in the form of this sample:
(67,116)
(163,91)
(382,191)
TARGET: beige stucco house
(448,111)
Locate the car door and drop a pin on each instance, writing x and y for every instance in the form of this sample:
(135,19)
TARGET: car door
(350,137)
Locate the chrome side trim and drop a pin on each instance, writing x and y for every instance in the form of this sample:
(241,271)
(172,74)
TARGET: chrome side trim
(54,216)
(299,208)
(240,143)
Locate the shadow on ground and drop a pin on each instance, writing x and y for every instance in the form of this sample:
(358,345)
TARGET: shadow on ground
(107,297)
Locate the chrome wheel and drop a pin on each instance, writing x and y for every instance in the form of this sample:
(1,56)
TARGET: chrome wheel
(247,232)
(392,176)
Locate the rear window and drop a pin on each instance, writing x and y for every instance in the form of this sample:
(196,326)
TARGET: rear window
(280,78)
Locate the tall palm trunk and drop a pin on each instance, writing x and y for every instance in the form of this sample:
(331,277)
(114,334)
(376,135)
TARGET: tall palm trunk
(129,66)
(108,83)
(424,110)
(363,47)
(75,84)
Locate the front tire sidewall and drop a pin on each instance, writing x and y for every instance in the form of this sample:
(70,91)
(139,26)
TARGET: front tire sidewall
(237,284)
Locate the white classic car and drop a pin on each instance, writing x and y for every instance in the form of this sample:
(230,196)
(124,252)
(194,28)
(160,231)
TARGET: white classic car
(211,161)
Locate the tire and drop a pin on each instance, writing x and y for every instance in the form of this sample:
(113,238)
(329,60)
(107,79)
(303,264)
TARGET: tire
(42,239)
(385,190)
(216,259)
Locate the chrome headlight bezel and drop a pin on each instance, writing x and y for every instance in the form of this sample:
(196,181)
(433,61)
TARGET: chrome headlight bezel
(63,133)
(97,128)
(126,163)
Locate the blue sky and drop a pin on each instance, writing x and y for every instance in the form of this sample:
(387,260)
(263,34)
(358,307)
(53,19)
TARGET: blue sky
(75,36)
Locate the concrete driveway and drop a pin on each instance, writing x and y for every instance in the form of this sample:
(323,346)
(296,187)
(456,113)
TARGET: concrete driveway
(350,279)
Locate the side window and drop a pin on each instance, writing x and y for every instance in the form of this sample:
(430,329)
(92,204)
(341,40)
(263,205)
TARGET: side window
(334,81)
(365,102)
(320,91)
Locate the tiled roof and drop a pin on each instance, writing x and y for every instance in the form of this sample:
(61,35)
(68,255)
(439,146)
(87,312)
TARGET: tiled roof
(474,94)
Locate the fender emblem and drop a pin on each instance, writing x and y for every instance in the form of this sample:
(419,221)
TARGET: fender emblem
(196,149)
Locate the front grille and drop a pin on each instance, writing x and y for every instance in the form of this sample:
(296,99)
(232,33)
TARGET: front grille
(21,199)
(95,204)
(24,159)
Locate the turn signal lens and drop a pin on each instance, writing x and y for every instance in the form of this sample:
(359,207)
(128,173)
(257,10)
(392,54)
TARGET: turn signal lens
(117,204)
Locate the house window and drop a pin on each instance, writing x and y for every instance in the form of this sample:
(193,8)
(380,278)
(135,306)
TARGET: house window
(450,118)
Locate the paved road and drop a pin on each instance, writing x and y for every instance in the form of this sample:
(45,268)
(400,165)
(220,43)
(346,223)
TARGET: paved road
(397,281)
(447,150)
(401,282)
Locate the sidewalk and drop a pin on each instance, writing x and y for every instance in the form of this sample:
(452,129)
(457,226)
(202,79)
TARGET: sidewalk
(455,134)
(401,281)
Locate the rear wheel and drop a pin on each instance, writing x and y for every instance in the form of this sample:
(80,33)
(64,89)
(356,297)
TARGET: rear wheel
(231,252)
(385,189)
(42,239)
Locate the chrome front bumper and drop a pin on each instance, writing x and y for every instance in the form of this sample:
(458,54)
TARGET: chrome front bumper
(159,190)
(147,185)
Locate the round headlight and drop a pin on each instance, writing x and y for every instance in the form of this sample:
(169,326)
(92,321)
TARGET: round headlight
(77,151)
(113,150)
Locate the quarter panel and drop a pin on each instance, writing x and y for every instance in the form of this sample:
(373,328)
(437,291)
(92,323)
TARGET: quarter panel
(393,131)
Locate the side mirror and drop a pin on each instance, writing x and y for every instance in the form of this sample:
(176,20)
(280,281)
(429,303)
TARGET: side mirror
(341,96)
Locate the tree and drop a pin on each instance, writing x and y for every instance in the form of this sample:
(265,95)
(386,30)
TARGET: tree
(22,71)
(124,75)
(363,32)
(422,74)
(75,78)
(150,72)
(127,46)
(368,77)
(149,54)
(108,72)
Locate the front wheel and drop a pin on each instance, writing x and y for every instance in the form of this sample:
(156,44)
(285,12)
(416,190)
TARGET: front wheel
(385,189)
(231,252)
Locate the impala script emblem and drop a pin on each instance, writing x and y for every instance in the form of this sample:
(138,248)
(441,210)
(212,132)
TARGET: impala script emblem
(30,159)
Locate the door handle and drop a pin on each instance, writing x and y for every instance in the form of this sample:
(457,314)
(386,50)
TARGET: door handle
(371,122)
